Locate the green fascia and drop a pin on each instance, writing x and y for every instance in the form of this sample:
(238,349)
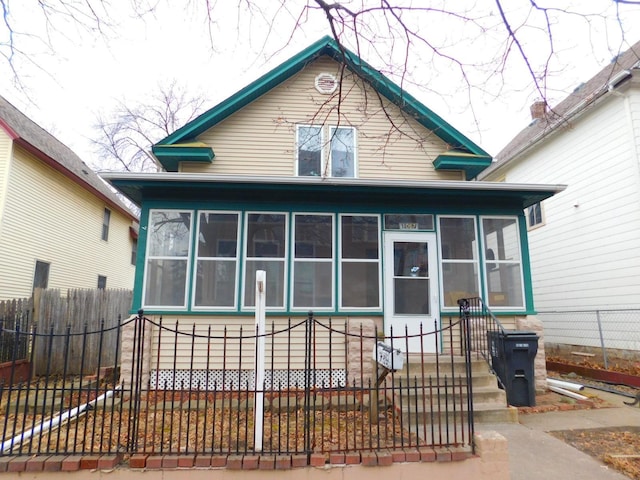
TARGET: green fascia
(471,164)
(171,155)
(325,46)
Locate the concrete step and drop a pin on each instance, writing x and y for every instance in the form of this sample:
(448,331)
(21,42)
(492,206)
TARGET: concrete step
(441,396)
(482,413)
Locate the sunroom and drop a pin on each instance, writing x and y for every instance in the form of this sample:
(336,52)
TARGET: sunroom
(399,252)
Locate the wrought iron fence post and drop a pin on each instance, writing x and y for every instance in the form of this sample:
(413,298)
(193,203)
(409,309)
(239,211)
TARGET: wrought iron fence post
(307,383)
(465,318)
(136,381)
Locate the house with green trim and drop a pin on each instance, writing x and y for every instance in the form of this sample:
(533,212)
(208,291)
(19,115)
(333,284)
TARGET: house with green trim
(357,200)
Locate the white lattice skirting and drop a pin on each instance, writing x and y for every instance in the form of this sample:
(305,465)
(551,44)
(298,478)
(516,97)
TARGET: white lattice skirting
(208,380)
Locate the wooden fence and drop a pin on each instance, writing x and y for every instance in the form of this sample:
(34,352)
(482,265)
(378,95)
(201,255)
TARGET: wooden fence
(68,317)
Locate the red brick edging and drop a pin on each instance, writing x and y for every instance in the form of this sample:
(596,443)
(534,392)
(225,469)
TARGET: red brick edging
(70,463)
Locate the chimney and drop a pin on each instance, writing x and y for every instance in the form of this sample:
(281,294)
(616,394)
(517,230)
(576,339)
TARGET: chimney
(538,109)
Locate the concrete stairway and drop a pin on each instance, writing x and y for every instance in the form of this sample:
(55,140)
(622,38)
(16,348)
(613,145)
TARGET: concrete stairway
(432,390)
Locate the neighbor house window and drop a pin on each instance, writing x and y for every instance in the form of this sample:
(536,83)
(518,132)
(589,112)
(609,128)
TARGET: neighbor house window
(534,215)
(102,282)
(41,275)
(360,261)
(334,157)
(134,251)
(312,261)
(503,265)
(168,249)
(459,257)
(266,249)
(217,260)
(106,218)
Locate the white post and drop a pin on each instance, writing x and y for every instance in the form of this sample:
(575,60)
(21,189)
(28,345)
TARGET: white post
(261,296)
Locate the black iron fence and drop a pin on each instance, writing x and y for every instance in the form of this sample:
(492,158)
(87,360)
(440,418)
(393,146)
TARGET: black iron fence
(320,386)
(483,329)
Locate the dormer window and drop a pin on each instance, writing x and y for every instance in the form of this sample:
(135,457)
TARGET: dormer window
(326,151)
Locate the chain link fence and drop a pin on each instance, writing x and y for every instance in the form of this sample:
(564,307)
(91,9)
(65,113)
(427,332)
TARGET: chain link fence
(613,333)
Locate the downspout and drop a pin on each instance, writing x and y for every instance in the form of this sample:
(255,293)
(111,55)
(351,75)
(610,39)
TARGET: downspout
(56,421)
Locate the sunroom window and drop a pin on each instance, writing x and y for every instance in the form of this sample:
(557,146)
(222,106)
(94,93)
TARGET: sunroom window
(313,261)
(503,262)
(266,248)
(458,251)
(360,261)
(169,240)
(216,260)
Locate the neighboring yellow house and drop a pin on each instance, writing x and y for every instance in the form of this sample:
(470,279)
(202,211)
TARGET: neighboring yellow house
(61,226)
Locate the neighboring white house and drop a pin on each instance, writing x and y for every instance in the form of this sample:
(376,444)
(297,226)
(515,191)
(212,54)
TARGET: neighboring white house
(585,241)
(61,226)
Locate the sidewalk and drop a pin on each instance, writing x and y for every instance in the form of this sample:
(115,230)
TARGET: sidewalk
(534,454)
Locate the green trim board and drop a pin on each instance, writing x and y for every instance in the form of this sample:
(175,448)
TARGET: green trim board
(472,165)
(329,193)
(325,46)
(170,156)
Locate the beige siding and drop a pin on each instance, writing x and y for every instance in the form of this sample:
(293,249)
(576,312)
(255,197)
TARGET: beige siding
(239,355)
(48,217)
(260,139)
(5,164)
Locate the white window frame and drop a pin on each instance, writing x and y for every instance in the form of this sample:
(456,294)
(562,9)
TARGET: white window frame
(238,259)
(326,162)
(245,259)
(503,262)
(322,153)
(532,226)
(332,130)
(341,261)
(442,262)
(331,260)
(148,257)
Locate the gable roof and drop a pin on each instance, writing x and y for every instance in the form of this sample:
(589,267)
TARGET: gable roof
(584,97)
(33,138)
(164,149)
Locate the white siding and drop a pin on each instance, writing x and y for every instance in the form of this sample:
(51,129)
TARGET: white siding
(260,138)
(587,256)
(48,217)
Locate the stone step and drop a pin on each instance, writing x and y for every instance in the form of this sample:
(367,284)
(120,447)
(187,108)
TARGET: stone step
(479,379)
(481,395)
(482,413)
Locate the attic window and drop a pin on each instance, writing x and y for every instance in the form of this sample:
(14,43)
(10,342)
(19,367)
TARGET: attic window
(326,83)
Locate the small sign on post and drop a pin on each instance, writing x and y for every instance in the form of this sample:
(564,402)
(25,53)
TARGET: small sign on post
(390,358)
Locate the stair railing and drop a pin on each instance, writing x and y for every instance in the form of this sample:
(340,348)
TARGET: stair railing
(481,330)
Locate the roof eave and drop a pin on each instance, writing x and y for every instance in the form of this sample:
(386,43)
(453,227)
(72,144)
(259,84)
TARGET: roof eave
(132,184)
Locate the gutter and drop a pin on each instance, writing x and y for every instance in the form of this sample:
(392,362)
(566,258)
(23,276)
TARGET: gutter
(276,180)
(54,422)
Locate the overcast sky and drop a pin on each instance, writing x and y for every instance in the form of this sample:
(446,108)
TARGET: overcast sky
(64,89)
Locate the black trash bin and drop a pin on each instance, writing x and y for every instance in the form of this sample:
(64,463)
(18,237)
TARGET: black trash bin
(512,357)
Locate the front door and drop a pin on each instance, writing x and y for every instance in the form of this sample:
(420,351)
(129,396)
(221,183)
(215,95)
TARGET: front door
(411,289)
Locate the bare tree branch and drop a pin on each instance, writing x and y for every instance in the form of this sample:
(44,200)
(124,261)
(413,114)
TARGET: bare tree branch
(125,135)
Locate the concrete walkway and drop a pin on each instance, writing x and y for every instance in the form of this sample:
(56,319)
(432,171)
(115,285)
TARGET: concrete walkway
(535,454)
